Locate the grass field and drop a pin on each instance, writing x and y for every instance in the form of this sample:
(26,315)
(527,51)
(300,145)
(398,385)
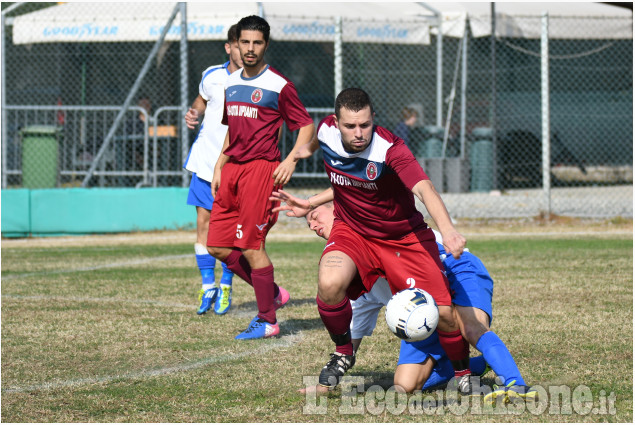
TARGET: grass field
(104,330)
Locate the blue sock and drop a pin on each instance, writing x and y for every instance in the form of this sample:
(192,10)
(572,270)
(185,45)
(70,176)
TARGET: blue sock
(477,365)
(206,264)
(442,373)
(228,275)
(499,358)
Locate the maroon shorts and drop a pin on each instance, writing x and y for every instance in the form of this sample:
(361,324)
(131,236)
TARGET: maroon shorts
(410,262)
(241,216)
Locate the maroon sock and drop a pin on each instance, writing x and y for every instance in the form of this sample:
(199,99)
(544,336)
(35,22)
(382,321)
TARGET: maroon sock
(337,320)
(264,288)
(237,263)
(457,350)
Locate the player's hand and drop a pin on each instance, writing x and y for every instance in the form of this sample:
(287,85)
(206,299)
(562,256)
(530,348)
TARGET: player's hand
(215,184)
(454,243)
(283,172)
(191,118)
(294,206)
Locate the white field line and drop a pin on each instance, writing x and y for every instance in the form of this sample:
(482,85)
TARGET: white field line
(100,267)
(284,342)
(98,300)
(236,311)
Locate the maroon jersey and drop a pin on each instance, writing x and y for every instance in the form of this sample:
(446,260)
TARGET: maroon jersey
(254,111)
(373,189)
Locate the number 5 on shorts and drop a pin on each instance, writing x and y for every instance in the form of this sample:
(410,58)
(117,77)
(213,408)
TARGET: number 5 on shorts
(239,231)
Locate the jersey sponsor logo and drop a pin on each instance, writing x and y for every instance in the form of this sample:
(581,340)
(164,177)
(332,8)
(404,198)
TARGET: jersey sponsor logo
(242,111)
(256,96)
(371,171)
(232,93)
(340,180)
(335,162)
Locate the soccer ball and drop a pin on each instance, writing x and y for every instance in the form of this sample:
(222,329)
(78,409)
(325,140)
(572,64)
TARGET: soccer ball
(412,314)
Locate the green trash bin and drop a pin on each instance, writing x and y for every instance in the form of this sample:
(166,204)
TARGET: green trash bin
(482,160)
(40,156)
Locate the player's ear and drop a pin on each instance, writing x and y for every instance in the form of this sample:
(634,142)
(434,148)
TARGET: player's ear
(227,48)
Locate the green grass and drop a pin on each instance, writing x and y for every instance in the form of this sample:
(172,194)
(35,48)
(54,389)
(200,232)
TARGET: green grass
(109,334)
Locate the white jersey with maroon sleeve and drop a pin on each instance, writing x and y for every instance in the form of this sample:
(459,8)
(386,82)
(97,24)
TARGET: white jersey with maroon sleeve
(209,140)
(254,110)
(373,189)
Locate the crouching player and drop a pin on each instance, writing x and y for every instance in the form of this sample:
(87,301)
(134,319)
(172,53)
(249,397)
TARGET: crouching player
(423,364)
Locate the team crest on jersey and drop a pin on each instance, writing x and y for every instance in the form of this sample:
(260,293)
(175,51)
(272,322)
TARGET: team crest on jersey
(256,96)
(371,171)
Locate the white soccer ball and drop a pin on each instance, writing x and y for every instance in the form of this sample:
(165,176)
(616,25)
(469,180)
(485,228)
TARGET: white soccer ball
(412,314)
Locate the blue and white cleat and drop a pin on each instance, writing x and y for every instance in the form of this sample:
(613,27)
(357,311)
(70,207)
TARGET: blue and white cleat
(259,328)
(206,299)
(223,300)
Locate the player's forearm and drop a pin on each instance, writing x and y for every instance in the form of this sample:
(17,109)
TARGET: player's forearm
(427,194)
(305,136)
(321,198)
(199,105)
(222,158)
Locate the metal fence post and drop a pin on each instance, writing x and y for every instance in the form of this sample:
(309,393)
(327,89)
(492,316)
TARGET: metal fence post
(546,126)
(184,100)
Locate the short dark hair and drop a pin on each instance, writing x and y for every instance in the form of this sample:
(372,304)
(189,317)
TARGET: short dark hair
(254,23)
(232,34)
(353,99)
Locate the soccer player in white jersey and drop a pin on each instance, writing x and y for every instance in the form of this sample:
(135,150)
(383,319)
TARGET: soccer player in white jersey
(200,161)
(258,99)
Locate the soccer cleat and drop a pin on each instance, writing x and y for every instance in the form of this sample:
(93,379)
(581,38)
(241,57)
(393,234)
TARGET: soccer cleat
(467,385)
(335,369)
(259,328)
(524,392)
(463,385)
(510,392)
(282,299)
(223,300)
(206,299)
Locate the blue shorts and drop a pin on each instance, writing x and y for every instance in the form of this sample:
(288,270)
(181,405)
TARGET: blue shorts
(418,351)
(200,194)
(470,282)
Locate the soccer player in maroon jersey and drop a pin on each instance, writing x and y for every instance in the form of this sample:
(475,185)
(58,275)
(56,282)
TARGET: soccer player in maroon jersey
(378,231)
(258,99)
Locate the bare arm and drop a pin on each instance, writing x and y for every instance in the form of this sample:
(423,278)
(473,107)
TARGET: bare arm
(196,112)
(453,241)
(298,207)
(284,171)
(222,160)
(305,151)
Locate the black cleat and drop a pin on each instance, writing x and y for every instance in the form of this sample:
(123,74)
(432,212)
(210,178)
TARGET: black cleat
(335,369)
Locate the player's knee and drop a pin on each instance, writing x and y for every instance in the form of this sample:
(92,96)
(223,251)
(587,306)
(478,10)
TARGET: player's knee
(474,331)
(405,385)
(216,252)
(447,321)
(331,291)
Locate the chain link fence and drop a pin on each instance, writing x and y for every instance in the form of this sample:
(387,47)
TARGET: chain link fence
(484,152)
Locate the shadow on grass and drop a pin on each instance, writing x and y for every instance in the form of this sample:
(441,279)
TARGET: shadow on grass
(252,306)
(291,326)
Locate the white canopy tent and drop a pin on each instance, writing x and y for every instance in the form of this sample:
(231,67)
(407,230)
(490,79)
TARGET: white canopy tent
(399,22)
(337,22)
